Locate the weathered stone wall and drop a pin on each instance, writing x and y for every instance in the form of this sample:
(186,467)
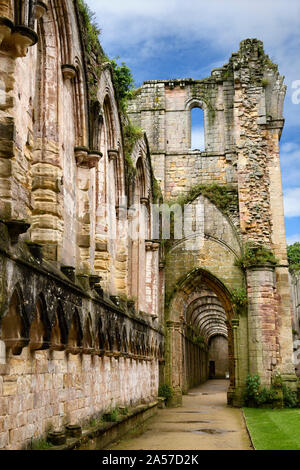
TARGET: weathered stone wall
(295,286)
(79,305)
(162,108)
(295,290)
(47,390)
(218,353)
(243,120)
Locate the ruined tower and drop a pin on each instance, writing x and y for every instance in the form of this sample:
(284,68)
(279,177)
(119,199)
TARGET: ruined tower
(237,180)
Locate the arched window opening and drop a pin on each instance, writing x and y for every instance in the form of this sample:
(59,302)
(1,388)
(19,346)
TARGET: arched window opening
(197,129)
(39,329)
(59,334)
(13,328)
(75,335)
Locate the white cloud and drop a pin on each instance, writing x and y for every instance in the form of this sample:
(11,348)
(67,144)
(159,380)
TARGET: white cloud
(135,20)
(290,163)
(145,30)
(293,239)
(292,202)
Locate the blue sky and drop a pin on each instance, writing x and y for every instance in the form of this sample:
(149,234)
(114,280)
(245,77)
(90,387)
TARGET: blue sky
(161,39)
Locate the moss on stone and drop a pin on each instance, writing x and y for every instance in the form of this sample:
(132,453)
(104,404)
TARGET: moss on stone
(91,29)
(239,299)
(224,197)
(131,135)
(254,254)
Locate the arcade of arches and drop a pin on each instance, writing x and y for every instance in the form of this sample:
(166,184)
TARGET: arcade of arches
(96,311)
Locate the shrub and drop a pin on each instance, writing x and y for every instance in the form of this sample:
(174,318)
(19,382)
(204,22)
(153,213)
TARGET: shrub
(266,396)
(252,389)
(165,391)
(289,397)
(293,252)
(254,395)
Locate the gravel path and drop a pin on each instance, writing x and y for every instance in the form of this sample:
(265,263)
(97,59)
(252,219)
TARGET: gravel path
(204,422)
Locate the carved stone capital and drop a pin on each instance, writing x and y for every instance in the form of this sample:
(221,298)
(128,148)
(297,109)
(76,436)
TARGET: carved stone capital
(94,157)
(16,228)
(121,212)
(6,27)
(81,154)
(86,158)
(148,245)
(40,9)
(94,280)
(20,40)
(155,246)
(69,71)
(113,154)
(69,271)
(144,201)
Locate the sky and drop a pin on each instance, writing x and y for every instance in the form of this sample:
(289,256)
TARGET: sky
(161,39)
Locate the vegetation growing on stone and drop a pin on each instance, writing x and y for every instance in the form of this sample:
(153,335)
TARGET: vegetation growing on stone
(195,336)
(293,252)
(224,197)
(123,82)
(165,391)
(131,135)
(254,254)
(278,395)
(239,299)
(91,29)
(41,444)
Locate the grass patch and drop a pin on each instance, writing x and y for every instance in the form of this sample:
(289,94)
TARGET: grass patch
(274,429)
(41,444)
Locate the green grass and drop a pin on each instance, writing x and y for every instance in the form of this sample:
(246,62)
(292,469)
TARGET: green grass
(274,429)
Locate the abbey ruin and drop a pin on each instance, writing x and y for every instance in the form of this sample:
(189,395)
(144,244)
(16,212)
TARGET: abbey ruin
(97,309)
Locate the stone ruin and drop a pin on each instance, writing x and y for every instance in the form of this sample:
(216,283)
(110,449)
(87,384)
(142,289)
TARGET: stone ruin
(89,315)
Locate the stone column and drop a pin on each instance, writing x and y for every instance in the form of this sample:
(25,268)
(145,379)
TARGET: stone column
(262,322)
(174,364)
(155,277)
(86,181)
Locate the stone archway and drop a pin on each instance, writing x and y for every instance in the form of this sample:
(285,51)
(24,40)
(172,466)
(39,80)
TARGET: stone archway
(201,304)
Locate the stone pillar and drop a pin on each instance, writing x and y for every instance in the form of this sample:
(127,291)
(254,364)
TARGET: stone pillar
(86,162)
(285,335)
(174,364)
(262,322)
(121,263)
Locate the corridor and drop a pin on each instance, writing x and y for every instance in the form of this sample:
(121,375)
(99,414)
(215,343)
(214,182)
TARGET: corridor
(204,422)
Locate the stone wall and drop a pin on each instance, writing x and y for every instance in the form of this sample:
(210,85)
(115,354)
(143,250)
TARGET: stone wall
(295,289)
(80,302)
(46,390)
(295,286)
(218,353)
(162,108)
(243,120)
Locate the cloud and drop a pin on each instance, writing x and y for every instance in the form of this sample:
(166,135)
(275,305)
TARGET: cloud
(143,31)
(290,163)
(293,239)
(292,202)
(134,20)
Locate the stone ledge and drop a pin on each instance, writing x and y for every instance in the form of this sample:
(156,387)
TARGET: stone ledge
(98,437)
